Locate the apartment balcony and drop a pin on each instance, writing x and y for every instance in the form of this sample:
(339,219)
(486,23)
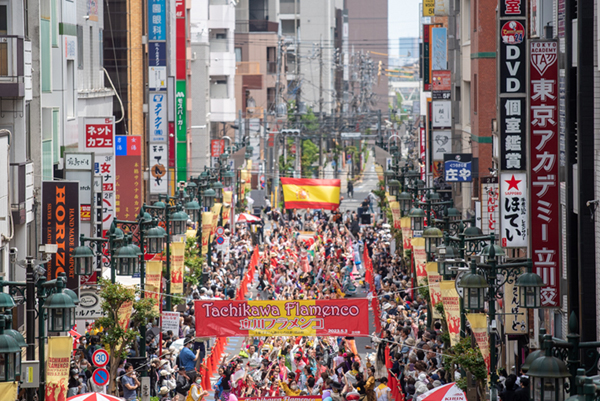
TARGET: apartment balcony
(222,16)
(15,66)
(219,45)
(21,178)
(247,68)
(262,26)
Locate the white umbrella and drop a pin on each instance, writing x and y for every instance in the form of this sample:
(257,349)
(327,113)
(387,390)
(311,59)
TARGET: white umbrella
(246,218)
(446,392)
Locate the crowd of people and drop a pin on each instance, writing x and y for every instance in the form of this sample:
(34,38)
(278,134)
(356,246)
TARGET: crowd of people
(304,256)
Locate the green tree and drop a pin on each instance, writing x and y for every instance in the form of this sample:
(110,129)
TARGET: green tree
(119,340)
(193,263)
(310,154)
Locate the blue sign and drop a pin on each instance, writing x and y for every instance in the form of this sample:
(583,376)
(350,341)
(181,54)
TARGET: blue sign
(157,20)
(120,145)
(439,52)
(220,240)
(158,54)
(458,167)
(100,377)
(158,117)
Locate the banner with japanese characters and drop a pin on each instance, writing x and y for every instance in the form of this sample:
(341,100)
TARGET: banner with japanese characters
(124,314)
(227,197)
(405,223)
(333,317)
(490,205)
(515,317)
(98,135)
(512,133)
(545,221)
(420,258)
(158,170)
(57,368)
(153,281)
(207,220)
(458,167)
(435,292)
(395,208)
(514,215)
(451,303)
(129,184)
(177,266)
(479,327)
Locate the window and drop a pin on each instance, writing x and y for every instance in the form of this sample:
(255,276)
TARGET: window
(271,60)
(3,19)
(238,54)
(70,89)
(221,36)
(55,134)
(46,55)
(3,46)
(80,47)
(474,23)
(47,159)
(54,22)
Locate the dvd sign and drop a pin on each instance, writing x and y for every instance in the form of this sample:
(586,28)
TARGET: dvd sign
(512,57)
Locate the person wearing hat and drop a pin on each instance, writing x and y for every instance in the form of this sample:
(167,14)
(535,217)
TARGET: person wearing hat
(183,382)
(164,394)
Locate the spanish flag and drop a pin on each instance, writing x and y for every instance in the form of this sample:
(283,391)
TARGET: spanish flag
(307,193)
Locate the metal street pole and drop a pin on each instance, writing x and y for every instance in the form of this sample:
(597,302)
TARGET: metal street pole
(30,305)
(168,281)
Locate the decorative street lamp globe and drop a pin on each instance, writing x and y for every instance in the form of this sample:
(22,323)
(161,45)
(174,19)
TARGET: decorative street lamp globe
(6,301)
(446,254)
(155,237)
(83,258)
(10,354)
(227,178)
(160,204)
(433,237)
(417,217)
(530,286)
(191,189)
(433,197)
(394,186)
(249,151)
(420,184)
(218,187)
(491,251)
(178,222)
(61,310)
(476,288)
(209,196)
(453,214)
(223,157)
(126,260)
(405,201)
(548,375)
(193,210)
(473,231)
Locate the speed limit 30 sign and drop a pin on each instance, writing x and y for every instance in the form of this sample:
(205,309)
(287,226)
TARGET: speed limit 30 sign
(100,358)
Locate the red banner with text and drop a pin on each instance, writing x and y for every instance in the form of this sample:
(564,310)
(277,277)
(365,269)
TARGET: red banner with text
(335,317)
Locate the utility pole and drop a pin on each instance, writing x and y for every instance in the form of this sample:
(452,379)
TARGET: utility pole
(321,170)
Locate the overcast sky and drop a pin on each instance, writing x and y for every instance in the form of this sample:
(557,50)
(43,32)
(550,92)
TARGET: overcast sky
(403,21)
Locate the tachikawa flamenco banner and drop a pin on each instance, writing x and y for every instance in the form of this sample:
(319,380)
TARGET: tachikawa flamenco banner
(308,193)
(334,317)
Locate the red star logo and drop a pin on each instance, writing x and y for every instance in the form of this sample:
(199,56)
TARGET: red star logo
(513,183)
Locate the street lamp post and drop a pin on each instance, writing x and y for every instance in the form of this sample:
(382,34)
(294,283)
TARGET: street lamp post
(486,277)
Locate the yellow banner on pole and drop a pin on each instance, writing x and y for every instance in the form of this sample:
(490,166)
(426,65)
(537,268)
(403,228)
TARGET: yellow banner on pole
(418,246)
(124,314)
(57,368)
(479,326)
(207,218)
(406,232)
(395,208)
(216,210)
(435,293)
(10,390)
(153,282)
(227,197)
(177,262)
(451,303)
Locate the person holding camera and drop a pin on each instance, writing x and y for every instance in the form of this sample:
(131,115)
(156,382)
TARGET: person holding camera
(130,383)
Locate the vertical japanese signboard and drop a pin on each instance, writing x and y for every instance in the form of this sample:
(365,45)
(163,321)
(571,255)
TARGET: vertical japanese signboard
(158,129)
(98,136)
(545,218)
(60,226)
(129,176)
(490,206)
(514,210)
(181,129)
(80,167)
